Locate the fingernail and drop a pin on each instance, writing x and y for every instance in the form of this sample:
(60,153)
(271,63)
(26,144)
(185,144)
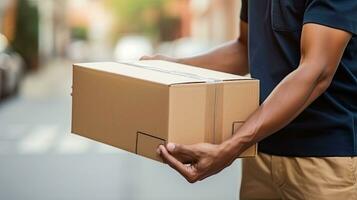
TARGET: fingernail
(170,147)
(158,151)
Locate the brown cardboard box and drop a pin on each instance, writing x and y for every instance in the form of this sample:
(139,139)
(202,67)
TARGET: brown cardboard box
(138,105)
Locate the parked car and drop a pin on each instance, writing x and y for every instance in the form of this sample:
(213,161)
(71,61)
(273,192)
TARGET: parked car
(1,75)
(11,69)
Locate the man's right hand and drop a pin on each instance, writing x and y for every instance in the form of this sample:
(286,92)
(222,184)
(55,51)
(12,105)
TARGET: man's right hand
(160,57)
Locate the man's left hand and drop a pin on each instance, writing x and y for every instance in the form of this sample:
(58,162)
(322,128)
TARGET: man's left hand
(196,162)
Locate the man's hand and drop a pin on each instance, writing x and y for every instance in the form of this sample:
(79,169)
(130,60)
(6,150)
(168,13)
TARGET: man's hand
(196,162)
(321,50)
(160,57)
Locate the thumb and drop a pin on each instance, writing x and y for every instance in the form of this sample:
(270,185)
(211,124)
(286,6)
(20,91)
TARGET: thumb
(180,149)
(171,147)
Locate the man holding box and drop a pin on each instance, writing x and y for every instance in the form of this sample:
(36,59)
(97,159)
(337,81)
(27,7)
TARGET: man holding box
(305,55)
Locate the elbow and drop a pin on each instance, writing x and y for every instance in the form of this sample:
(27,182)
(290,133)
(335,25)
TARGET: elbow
(322,86)
(318,71)
(242,40)
(325,79)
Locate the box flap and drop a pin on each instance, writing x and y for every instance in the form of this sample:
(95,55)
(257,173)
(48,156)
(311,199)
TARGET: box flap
(139,73)
(162,72)
(190,70)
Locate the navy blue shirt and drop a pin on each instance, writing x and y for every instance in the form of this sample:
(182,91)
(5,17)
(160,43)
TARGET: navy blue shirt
(328,127)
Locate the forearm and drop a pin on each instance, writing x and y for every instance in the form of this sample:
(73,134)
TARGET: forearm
(231,57)
(298,90)
(321,52)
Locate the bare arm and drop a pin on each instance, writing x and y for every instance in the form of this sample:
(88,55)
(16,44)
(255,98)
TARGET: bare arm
(321,51)
(231,57)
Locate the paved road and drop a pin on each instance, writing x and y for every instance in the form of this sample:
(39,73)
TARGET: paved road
(41,160)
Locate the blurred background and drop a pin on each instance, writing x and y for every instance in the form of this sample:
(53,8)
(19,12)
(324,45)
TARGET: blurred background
(39,40)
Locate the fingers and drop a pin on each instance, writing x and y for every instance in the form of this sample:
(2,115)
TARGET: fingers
(181,150)
(147,58)
(159,57)
(186,171)
(153,57)
(184,159)
(209,174)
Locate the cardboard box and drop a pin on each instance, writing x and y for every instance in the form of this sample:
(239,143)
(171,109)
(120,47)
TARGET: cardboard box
(138,105)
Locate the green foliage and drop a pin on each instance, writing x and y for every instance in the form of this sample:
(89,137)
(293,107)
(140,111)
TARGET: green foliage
(79,33)
(138,15)
(27,30)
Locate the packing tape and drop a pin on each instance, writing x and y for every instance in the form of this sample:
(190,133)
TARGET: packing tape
(213,119)
(173,72)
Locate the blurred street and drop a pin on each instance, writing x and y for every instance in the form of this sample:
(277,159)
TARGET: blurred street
(39,41)
(41,160)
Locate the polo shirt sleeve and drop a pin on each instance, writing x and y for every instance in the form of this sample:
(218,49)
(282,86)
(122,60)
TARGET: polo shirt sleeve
(339,14)
(244,11)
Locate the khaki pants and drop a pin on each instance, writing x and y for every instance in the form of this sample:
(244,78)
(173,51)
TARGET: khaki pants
(300,178)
